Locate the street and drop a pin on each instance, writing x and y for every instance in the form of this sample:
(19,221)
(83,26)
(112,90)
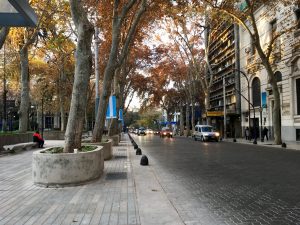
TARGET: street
(226,183)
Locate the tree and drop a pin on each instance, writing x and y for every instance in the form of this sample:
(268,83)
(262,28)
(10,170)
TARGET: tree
(117,55)
(248,20)
(186,50)
(59,53)
(193,37)
(83,70)
(23,39)
(148,118)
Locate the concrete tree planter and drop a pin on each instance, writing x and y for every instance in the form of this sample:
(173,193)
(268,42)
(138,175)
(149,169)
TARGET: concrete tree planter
(115,140)
(107,148)
(63,169)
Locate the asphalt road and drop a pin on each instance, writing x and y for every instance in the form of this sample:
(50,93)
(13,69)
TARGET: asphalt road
(226,183)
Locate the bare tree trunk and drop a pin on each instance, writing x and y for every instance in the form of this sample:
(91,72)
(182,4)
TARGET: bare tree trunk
(207,106)
(273,82)
(62,114)
(106,89)
(114,128)
(25,99)
(83,70)
(181,120)
(193,116)
(187,119)
(265,58)
(86,125)
(276,115)
(276,106)
(39,117)
(112,63)
(62,94)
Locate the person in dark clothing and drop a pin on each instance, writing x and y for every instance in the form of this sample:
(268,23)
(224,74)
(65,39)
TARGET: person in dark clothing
(38,138)
(247,133)
(265,133)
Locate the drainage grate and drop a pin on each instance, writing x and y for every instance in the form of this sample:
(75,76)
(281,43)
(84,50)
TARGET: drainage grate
(116,176)
(120,156)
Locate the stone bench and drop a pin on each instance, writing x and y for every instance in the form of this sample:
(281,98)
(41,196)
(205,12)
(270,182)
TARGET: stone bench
(20,146)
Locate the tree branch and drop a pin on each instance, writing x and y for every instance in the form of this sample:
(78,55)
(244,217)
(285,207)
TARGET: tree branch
(132,30)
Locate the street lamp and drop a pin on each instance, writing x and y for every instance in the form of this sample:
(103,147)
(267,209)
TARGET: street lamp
(249,103)
(248,87)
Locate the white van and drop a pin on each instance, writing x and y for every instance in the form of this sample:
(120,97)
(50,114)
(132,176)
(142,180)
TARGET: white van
(205,133)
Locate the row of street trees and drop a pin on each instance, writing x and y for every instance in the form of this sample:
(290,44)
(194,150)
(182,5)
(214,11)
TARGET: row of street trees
(205,15)
(176,73)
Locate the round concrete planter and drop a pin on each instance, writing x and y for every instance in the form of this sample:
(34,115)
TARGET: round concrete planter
(115,140)
(63,169)
(107,148)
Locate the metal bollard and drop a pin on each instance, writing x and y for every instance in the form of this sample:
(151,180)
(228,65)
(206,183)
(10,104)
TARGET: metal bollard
(138,151)
(144,161)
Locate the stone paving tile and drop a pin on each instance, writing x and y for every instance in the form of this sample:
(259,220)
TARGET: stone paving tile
(105,201)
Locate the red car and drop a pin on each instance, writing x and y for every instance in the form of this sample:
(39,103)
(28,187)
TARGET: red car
(166,132)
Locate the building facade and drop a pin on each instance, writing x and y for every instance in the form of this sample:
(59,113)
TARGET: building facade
(285,59)
(223,56)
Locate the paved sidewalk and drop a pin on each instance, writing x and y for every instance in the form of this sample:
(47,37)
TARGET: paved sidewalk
(295,145)
(127,193)
(109,200)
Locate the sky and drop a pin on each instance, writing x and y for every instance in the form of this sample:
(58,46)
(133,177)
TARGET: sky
(135,102)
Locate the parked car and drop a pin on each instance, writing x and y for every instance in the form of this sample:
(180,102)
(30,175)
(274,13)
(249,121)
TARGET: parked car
(166,132)
(141,131)
(205,133)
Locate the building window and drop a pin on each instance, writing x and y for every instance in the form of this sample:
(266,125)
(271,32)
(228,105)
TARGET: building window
(256,92)
(276,45)
(278,76)
(298,96)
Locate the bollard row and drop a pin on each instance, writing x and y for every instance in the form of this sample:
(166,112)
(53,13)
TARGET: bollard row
(144,159)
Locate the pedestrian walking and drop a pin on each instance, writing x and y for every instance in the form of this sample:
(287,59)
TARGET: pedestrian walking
(247,132)
(265,133)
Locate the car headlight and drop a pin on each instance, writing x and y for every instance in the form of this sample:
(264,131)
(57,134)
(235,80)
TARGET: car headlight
(171,133)
(217,134)
(164,133)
